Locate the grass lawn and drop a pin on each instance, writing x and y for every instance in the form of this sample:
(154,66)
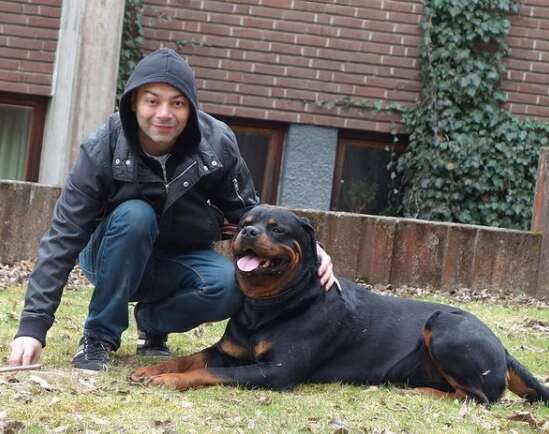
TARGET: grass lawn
(60,399)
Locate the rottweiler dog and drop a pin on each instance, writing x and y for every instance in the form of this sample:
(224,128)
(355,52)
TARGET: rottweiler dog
(290,331)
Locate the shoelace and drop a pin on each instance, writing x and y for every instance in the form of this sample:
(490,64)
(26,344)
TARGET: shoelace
(94,349)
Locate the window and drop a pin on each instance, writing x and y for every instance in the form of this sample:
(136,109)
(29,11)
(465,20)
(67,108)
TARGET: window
(361,181)
(261,148)
(21,130)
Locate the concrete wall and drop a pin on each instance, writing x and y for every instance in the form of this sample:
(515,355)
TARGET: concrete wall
(376,249)
(25,214)
(308,167)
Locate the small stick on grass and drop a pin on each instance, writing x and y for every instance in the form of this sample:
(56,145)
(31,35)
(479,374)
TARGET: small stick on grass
(19,368)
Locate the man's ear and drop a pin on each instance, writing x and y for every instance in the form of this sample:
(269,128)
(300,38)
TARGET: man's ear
(309,230)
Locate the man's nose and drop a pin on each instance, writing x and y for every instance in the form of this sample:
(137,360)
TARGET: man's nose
(164,111)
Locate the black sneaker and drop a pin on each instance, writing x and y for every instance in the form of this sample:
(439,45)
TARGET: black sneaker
(92,354)
(150,345)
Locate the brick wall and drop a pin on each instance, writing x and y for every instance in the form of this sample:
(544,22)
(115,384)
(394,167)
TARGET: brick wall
(278,59)
(28,40)
(527,82)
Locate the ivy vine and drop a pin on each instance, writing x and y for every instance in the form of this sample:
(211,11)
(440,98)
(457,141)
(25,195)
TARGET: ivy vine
(469,160)
(133,38)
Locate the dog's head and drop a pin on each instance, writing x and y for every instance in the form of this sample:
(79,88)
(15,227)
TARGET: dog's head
(273,249)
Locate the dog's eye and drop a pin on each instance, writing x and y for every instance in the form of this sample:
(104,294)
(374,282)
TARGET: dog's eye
(277,230)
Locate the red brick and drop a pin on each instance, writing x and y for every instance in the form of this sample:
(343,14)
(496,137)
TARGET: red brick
(219,6)
(10,7)
(282,117)
(250,113)
(258,11)
(46,68)
(257,101)
(47,22)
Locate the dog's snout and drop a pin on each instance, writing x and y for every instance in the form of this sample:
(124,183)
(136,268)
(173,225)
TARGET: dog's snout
(249,231)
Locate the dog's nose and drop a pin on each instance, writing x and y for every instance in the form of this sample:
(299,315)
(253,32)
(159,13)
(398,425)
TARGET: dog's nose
(249,231)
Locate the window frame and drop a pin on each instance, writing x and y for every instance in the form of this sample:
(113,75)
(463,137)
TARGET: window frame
(342,143)
(38,105)
(275,146)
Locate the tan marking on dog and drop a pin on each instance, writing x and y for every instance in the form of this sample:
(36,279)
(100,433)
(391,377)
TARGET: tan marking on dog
(232,349)
(248,220)
(517,385)
(175,364)
(439,393)
(272,222)
(262,347)
(188,380)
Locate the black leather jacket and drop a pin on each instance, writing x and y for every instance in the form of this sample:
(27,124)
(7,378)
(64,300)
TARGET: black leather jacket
(207,181)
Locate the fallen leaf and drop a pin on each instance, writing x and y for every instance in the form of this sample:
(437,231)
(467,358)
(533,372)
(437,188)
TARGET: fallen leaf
(464,409)
(264,400)
(524,416)
(11,426)
(41,382)
(338,425)
(186,404)
(99,421)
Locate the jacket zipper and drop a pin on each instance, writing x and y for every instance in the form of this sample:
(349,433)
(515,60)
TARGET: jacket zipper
(179,176)
(237,191)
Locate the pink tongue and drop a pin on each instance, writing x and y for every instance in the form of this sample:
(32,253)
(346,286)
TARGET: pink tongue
(248,263)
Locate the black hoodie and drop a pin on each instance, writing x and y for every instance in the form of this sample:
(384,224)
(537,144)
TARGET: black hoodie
(208,180)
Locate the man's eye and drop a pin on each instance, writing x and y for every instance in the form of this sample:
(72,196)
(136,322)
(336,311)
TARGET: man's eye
(151,102)
(179,104)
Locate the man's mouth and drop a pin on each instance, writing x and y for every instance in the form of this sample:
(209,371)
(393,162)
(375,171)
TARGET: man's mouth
(163,128)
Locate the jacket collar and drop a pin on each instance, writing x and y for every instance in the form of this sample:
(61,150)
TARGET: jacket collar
(125,161)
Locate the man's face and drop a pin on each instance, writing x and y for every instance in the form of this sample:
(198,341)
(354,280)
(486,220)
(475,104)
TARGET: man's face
(162,113)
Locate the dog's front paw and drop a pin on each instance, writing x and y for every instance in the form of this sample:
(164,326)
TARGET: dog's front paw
(171,381)
(142,375)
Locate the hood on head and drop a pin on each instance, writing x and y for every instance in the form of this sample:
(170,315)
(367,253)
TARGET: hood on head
(162,66)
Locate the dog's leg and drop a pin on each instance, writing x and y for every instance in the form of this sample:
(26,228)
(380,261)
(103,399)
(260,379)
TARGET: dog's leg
(276,376)
(467,354)
(441,394)
(176,364)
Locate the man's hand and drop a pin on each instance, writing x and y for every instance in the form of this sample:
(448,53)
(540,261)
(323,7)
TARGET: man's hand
(325,271)
(25,351)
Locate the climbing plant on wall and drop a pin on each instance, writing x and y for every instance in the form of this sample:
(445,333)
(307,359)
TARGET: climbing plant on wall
(131,49)
(469,159)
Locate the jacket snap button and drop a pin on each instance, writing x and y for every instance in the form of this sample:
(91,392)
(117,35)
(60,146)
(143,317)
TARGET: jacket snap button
(214,163)
(206,168)
(117,161)
(128,162)
(185,184)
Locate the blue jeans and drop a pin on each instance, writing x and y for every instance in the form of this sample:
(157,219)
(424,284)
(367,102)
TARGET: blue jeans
(176,292)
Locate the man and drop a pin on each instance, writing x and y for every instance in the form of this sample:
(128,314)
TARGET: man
(141,208)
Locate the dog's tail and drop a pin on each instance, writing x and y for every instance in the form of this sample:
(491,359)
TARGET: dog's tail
(523,383)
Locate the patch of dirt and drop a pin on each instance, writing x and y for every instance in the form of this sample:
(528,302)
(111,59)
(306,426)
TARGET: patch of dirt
(17,274)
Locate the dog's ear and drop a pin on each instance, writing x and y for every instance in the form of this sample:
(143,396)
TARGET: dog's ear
(311,241)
